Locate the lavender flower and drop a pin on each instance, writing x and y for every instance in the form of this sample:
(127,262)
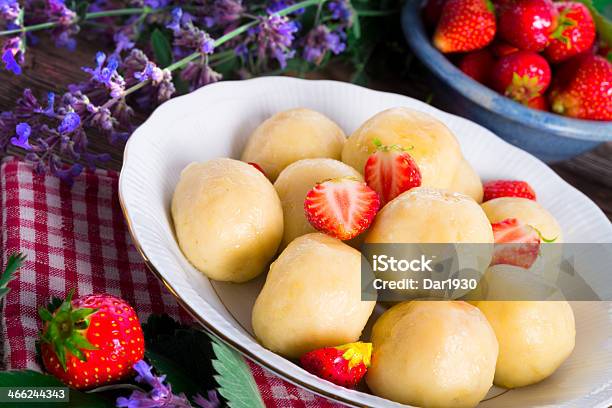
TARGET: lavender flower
(70,123)
(58,11)
(123,42)
(108,74)
(319,41)
(211,402)
(9,10)
(187,35)
(274,36)
(23,131)
(198,74)
(342,11)
(278,5)
(12,55)
(160,395)
(223,13)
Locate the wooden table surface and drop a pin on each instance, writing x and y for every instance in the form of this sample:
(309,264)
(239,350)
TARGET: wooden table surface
(52,69)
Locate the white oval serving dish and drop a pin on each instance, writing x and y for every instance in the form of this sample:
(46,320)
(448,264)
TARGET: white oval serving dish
(216,120)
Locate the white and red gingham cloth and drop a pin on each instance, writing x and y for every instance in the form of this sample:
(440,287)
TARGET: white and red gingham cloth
(75,237)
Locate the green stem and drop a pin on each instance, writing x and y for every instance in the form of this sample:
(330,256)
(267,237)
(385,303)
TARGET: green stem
(88,16)
(221,40)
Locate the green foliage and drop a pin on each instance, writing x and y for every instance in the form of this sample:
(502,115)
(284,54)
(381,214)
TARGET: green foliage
(162,48)
(13,263)
(236,383)
(180,351)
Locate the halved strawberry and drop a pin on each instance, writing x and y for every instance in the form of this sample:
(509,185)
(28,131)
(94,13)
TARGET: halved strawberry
(343,365)
(390,171)
(507,188)
(516,243)
(341,207)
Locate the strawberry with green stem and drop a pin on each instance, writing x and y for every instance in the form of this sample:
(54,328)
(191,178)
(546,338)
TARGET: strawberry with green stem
(574,34)
(583,88)
(91,341)
(527,24)
(521,76)
(342,365)
(516,243)
(390,171)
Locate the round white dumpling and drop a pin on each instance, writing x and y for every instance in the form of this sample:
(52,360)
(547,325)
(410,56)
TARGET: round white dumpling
(432,354)
(425,215)
(527,211)
(311,298)
(228,219)
(292,135)
(534,337)
(431,143)
(467,181)
(296,181)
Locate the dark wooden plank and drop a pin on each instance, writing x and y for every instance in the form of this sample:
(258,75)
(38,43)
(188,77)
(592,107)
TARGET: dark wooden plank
(49,68)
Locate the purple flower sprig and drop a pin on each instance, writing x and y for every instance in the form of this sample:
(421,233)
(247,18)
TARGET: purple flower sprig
(160,394)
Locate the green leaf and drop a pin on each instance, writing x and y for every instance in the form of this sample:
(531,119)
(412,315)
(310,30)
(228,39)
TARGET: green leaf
(161,48)
(188,348)
(13,263)
(603,23)
(181,379)
(236,383)
(29,378)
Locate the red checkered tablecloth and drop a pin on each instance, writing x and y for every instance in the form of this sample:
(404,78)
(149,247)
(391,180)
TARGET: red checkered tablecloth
(75,237)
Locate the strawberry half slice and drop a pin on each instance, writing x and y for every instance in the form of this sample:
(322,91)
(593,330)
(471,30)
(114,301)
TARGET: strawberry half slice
(507,188)
(343,365)
(390,171)
(516,243)
(341,207)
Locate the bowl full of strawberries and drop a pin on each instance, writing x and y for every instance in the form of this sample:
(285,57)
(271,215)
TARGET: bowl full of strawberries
(536,72)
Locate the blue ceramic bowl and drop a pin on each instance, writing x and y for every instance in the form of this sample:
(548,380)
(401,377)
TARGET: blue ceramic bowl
(548,136)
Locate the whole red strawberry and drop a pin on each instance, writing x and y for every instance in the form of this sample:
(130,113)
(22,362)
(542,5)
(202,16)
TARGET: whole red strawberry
(390,171)
(478,65)
(583,88)
(575,32)
(91,341)
(342,207)
(465,25)
(507,188)
(521,76)
(527,24)
(516,243)
(343,365)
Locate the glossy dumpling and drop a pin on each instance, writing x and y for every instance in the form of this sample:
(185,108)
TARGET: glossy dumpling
(535,338)
(425,215)
(433,354)
(311,298)
(228,219)
(292,135)
(431,143)
(293,184)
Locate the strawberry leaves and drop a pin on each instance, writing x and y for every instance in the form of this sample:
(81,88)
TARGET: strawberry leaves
(64,330)
(236,383)
(13,263)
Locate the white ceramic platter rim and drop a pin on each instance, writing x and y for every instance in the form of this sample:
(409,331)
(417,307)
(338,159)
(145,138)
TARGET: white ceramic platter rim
(208,316)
